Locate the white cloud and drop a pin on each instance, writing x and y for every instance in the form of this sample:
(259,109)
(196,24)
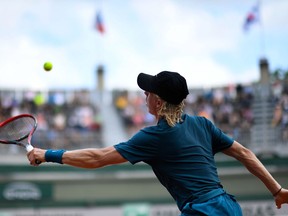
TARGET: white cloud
(275,16)
(149,36)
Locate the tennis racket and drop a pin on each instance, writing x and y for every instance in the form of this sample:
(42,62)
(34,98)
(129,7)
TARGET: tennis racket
(18,130)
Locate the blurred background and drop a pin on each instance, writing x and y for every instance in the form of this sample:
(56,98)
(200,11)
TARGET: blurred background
(233,55)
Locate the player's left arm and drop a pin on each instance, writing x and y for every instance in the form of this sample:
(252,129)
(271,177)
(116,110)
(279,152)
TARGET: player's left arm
(83,158)
(254,166)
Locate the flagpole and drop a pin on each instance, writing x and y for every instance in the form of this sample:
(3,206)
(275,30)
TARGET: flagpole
(261,32)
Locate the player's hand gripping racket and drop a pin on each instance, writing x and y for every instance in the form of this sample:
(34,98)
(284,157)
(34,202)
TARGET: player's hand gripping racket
(18,130)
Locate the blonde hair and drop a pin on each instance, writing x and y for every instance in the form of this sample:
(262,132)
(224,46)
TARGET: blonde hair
(172,113)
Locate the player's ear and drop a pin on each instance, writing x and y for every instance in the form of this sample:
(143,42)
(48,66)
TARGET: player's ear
(159,102)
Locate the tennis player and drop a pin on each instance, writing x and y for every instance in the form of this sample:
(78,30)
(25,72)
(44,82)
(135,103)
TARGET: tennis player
(180,149)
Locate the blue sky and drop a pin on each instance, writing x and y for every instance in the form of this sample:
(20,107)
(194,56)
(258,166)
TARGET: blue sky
(203,40)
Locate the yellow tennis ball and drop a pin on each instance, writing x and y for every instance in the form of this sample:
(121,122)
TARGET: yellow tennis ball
(47,66)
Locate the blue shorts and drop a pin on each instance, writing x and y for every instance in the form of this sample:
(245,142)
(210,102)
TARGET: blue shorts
(222,204)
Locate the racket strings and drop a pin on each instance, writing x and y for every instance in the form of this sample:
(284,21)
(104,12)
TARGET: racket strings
(17,129)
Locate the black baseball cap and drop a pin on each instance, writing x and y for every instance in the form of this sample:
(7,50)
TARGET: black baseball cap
(170,86)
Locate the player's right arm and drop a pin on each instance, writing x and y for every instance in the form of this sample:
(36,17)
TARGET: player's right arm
(83,158)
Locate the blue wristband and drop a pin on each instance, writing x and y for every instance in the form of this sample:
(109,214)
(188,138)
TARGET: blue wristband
(54,155)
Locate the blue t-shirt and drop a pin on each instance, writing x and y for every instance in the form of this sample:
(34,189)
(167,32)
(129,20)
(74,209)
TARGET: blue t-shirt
(182,157)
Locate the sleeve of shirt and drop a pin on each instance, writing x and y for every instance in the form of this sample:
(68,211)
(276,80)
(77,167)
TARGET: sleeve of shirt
(220,140)
(140,147)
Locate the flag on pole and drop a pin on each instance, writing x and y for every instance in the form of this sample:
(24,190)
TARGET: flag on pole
(99,23)
(252,17)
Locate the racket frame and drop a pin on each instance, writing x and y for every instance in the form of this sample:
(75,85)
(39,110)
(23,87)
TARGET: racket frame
(27,145)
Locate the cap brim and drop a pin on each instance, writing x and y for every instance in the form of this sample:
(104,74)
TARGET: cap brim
(145,82)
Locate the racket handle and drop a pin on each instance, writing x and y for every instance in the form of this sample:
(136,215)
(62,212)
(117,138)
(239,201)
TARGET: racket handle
(30,148)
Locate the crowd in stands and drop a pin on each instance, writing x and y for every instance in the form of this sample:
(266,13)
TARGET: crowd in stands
(63,118)
(69,119)
(131,107)
(280,117)
(228,107)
